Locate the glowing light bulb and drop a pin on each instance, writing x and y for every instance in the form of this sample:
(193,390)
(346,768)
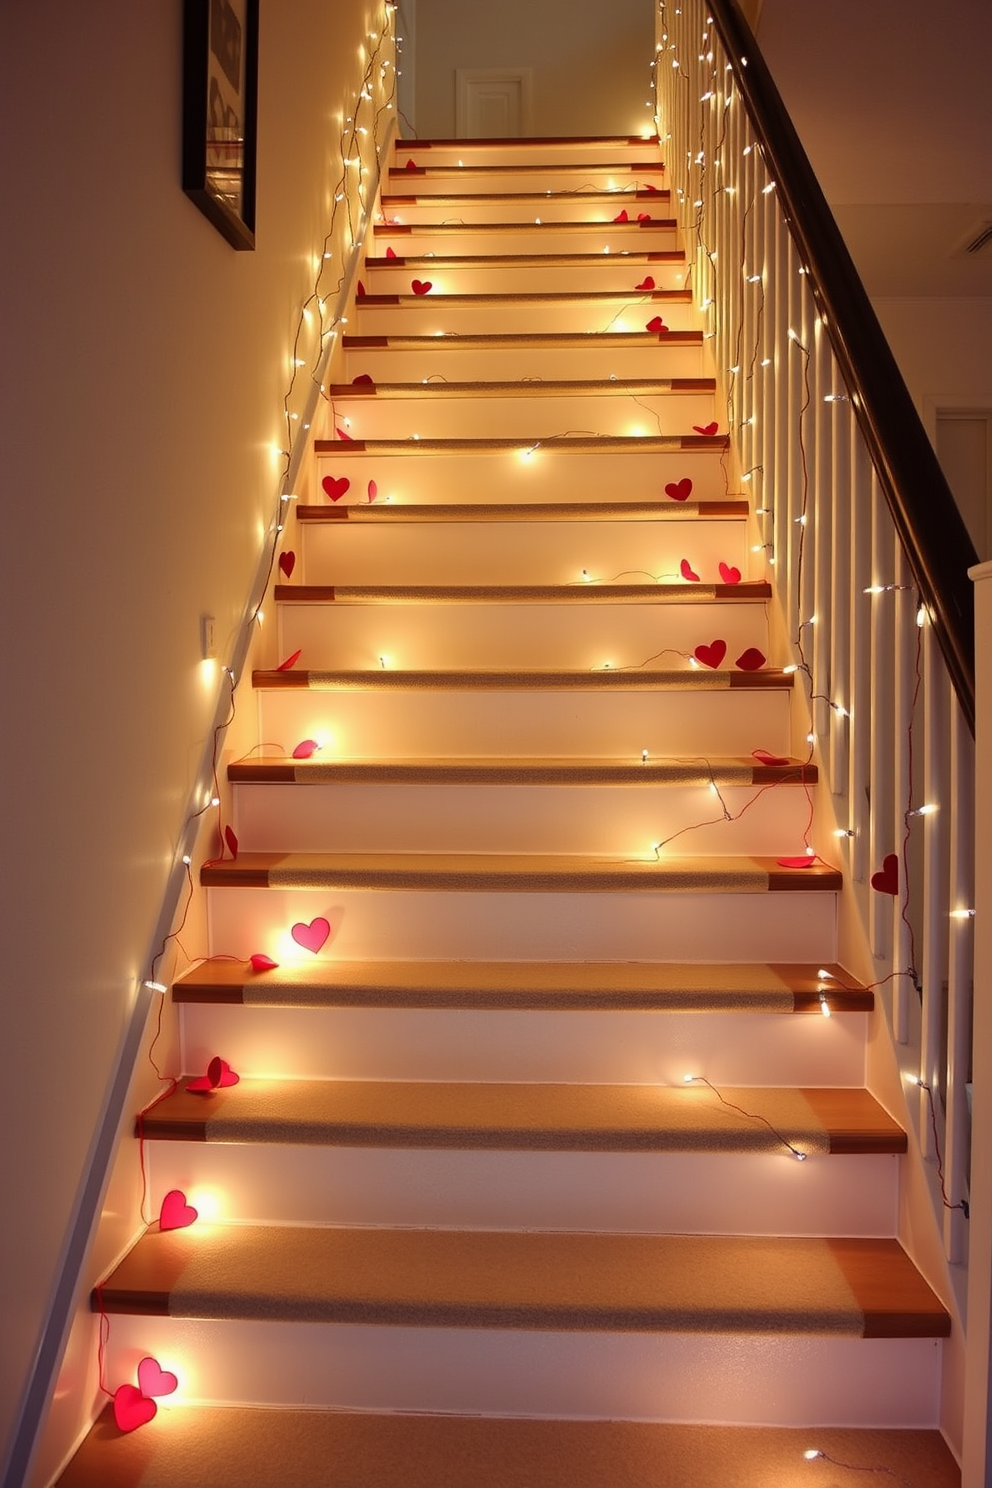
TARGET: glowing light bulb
(824,1005)
(644,756)
(156,987)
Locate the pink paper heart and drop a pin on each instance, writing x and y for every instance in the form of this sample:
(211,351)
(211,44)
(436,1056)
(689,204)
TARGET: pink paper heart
(421,286)
(335,486)
(679,490)
(711,655)
(305,749)
(290,662)
(311,937)
(750,660)
(261,962)
(132,1409)
(390,253)
(705,428)
(806,861)
(647,283)
(373,490)
(154,1380)
(621,217)
(729,574)
(764,758)
(287,562)
(685,569)
(361,290)
(657,326)
(175,1214)
(230,837)
(363,380)
(886,881)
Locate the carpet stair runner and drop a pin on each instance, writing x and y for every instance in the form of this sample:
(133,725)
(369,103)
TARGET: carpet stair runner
(543,1152)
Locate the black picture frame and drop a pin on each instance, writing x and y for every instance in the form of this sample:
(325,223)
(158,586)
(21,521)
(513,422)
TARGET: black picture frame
(220,113)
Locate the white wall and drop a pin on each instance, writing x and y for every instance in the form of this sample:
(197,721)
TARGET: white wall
(146,364)
(591,62)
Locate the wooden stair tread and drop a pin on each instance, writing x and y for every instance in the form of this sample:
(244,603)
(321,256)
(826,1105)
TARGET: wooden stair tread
(616,679)
(526,388)
(420,229)
(537,511)
(289,1448)
(416,172)
(516,873)
(520,260)
(504,770)
(440,198)
(527,142)
(602,986)
(532,297)
(646,444)
(528,1117)
(514,1279)
(531,340)
(580,592)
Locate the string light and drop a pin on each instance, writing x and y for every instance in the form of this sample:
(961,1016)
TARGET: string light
(795,1151)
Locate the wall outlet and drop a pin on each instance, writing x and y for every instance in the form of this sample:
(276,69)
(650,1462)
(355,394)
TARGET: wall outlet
(208,638)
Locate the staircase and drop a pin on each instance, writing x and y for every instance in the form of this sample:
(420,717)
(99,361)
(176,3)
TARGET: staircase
(551,1142)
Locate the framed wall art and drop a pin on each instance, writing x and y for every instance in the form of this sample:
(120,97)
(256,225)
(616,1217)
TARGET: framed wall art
(220,98)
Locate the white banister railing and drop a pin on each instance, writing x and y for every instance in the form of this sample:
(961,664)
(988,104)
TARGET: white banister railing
(876,637)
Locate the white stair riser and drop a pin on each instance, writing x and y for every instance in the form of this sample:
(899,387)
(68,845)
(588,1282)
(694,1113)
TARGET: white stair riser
(504,204)
(496,363)
(570,637)
(633,416)
(731,1378)
(552,1047)
(615,176)
(531,473)
(618,821)
(350,552)
(398,725)
(529,237)
(610,271)
(529,155)
(437,312)
(607,1192)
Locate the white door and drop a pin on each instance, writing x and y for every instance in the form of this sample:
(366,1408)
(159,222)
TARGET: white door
(492,102)
(964,448)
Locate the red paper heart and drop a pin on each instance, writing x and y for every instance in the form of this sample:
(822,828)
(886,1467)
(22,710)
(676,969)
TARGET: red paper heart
(335,486)
(305,749)
(421,286)
(343,435)
(657,325)
(621,217)
(390,253)
(153,1379)
(219,1076)
(132,1409)
(806,861)
(685,569)
(361,290)
(290,662)
(644,216)
(647,283)
(373,490)
(311,937)
(175,1214)
(764,758)
(730,574)
(230,837)
(646,186)
(363,380)
(712,655)
(750,660)
(261,962)
(287,562)
(886,881)
(705,428)
(411,165)
(679,490)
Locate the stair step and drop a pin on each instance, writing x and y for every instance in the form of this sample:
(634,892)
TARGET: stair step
(503,771)
(424,392)
(287,1448)
(513,874)
(488,208)
(603,197)
(603,680)
(522,1116)
(534,511)
(451,261)
(506,1279)
(444,341)
(756,591)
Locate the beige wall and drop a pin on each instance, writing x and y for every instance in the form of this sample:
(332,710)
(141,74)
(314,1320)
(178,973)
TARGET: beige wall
(590,62)
(146,367)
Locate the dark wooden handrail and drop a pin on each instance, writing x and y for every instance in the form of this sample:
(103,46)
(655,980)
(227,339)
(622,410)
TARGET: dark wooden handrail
(926,517)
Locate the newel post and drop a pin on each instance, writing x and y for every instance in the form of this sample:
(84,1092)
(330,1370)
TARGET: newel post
(977,1464)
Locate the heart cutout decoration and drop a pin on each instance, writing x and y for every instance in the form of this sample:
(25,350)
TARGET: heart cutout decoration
(373,491)
(806,861)
(679,490)
(219,1076)
(342,434)
(706,428)
(644,216)
(750,660)
(305,749)
(362,291)
(422,286)
(390,253)
(764,758)
(886,881)
(153,1379)
(175,1214)
(410,165)
(290,662)
(647,283)
(287,562)
(313,936)
(231,838)
(621,216)
(657,326)
(132,1409)
(730,574)
(711,655)
(646,186)
(335,486)
(686,570)
(363,380)
(261,962)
